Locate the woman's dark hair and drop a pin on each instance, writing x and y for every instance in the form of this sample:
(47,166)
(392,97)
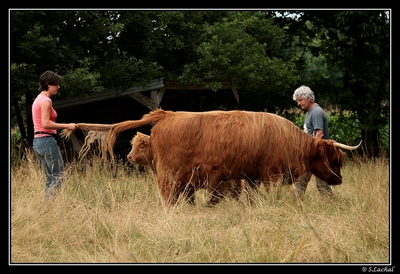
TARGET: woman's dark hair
(48,78)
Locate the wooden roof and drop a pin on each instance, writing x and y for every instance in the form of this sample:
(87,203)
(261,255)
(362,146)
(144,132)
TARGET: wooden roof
(155,84)
(108,94)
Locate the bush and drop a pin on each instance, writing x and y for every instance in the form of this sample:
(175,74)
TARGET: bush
(343,128)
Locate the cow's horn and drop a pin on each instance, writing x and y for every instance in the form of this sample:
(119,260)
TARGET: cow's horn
(346,146)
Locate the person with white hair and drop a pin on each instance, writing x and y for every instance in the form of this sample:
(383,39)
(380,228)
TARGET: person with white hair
(316,125)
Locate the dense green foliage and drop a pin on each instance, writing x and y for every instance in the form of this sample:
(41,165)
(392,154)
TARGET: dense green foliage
(355,46)
(344,56)
(344,129)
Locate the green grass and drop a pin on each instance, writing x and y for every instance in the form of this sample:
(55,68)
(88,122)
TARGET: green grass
(101,216)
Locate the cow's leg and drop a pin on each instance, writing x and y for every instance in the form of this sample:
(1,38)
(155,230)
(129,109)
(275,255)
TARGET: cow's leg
(171,190)
(169,195)
(168,189)
(301,185)
(252,187)
(224,188)
(217,188)
(254,184)
(267,186)
(189,193)
(235,188)
(216,197)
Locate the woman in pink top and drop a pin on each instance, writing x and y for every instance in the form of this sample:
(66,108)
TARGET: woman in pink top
(44,122)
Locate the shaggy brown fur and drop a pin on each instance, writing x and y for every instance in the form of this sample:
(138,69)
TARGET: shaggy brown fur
(203,149)
(192,150)
(142,154)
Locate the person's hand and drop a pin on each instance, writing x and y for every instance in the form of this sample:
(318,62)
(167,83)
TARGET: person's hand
(72,126)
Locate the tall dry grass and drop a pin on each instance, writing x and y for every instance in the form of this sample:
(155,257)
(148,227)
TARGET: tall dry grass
(103,216)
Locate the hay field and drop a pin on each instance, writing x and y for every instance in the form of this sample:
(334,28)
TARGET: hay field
(105,217)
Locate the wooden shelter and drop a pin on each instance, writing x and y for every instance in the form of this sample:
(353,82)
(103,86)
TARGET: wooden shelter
(110,106)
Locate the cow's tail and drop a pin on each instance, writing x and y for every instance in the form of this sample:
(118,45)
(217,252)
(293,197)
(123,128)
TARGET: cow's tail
(66,133)
(148,119)
(95,133)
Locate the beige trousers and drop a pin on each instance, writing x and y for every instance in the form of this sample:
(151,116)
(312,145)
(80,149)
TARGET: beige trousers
(302,182)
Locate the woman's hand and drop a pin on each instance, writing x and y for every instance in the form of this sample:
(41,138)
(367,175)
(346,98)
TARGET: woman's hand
(72,126)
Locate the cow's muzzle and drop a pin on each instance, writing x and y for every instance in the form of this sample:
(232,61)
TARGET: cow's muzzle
(333,180)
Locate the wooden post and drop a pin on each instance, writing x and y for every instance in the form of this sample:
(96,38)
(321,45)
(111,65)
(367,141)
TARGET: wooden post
(156,96)
(154,102)
(236,94)
(144,100)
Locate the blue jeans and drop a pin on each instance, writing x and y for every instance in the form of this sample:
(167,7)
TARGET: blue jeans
(50,156)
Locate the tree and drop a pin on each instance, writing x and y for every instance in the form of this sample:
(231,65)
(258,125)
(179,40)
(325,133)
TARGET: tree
(360,48)
(244,49)
(97,50)
(356,48)
(262,54)
(76,44)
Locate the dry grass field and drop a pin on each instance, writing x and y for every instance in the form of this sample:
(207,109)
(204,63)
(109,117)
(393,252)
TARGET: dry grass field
(118,217)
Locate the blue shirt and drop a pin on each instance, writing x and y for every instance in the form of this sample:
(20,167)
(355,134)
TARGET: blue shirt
(316,118)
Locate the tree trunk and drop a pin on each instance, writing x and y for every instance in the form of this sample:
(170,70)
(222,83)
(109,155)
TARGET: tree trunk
(29,121)
(371,146)
(20,120)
